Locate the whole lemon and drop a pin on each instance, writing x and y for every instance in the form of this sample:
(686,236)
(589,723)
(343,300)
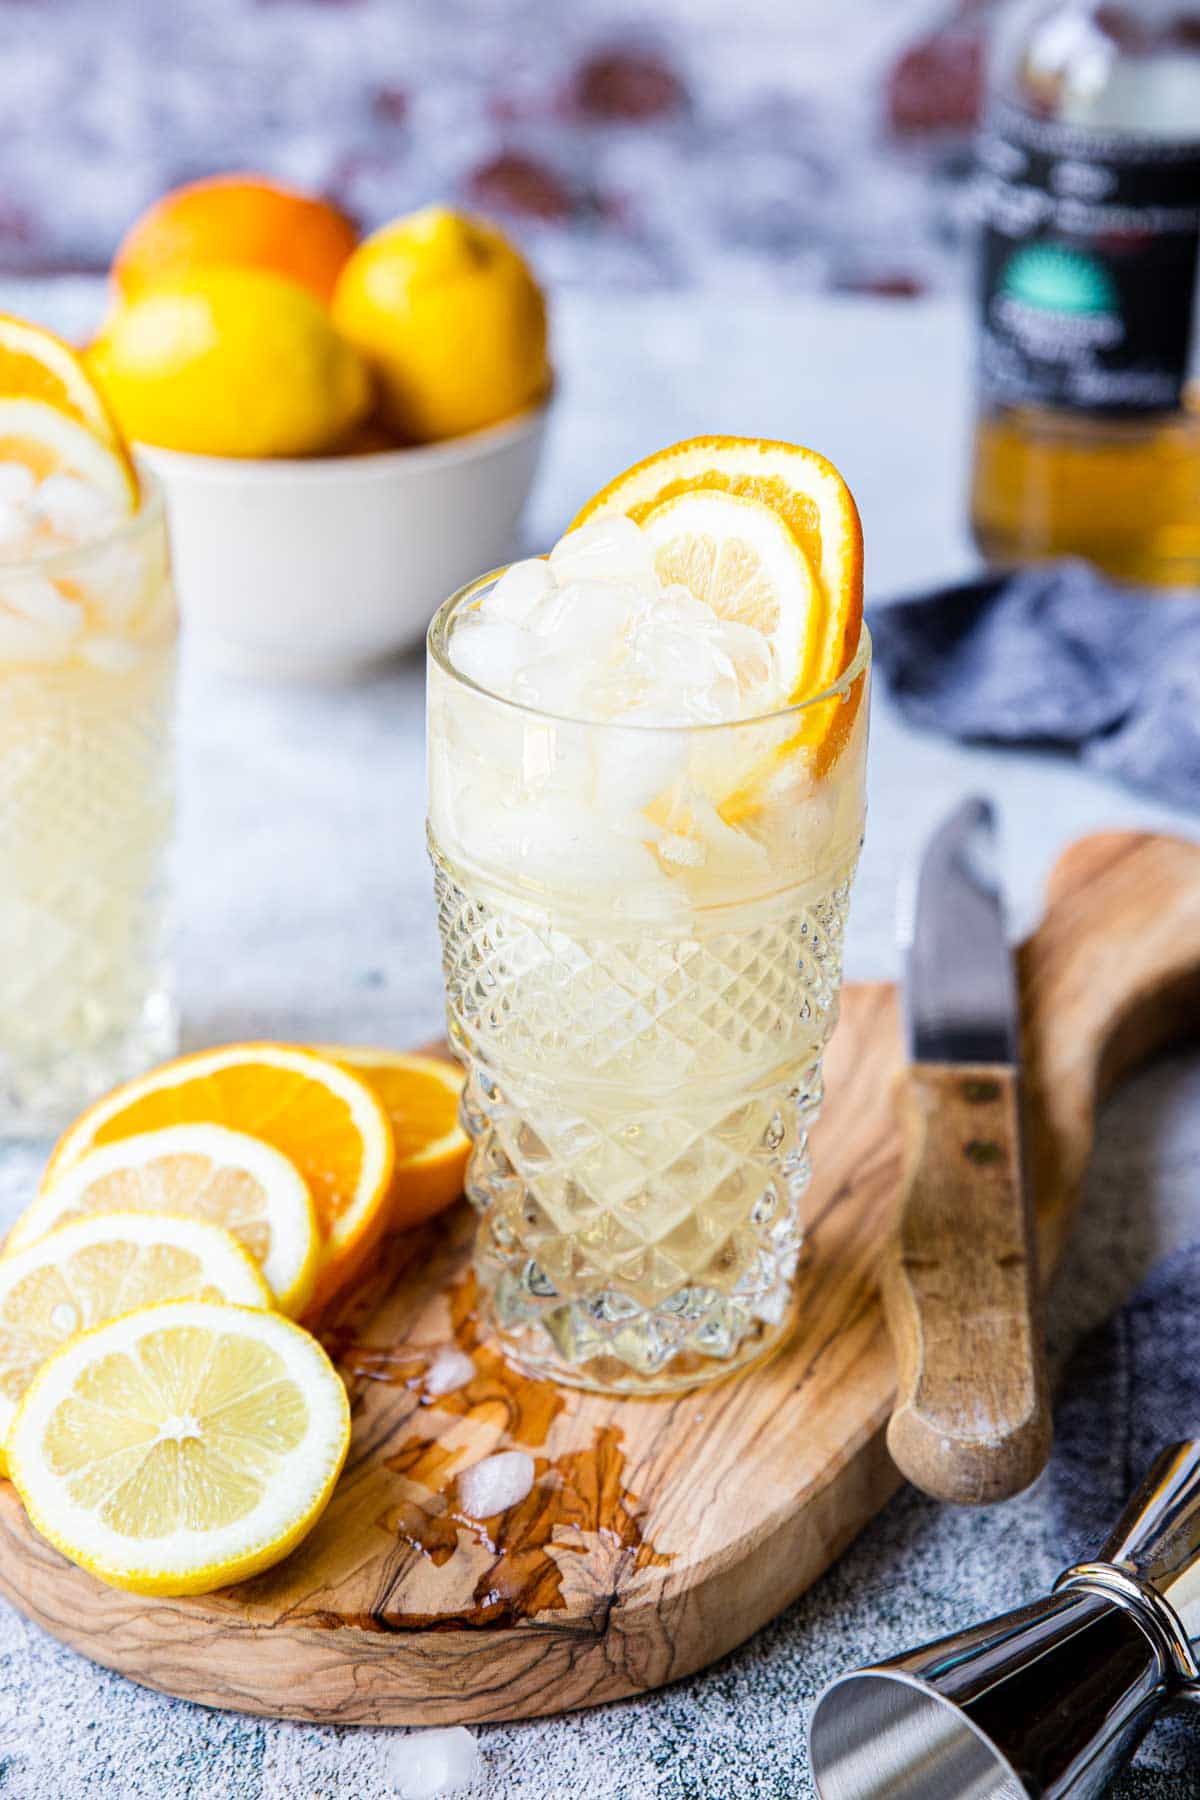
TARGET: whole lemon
(230,362)
(451,320)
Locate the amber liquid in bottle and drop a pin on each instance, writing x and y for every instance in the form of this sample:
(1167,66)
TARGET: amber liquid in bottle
(1087,438)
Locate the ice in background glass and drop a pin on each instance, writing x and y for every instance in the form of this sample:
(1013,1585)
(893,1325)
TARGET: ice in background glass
(87,653)
(642,941)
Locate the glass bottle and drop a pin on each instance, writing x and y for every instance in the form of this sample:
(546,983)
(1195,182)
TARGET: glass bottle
(1087,436)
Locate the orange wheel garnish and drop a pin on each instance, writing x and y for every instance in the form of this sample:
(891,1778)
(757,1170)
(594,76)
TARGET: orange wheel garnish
(54,419)
(721,513)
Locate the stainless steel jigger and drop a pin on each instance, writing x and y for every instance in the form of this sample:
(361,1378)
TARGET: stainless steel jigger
(1048,1701)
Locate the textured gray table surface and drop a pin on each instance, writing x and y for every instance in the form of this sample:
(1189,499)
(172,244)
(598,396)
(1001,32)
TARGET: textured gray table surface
(304,911)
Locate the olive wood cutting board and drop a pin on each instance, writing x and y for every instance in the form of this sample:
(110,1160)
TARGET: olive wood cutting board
(658,1533)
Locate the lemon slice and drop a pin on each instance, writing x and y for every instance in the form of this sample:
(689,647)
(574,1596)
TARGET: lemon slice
(181,1447)
(325,1120)
(740,558)
(206,1172)
(97,1268)
(421,1095)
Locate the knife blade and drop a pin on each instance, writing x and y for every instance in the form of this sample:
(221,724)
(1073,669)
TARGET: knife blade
(971,1422)
(960,997)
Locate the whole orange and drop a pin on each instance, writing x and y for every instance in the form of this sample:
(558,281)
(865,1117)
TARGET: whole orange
(239,220)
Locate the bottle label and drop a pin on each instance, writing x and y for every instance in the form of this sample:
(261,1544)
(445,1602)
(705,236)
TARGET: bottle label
(1089,266)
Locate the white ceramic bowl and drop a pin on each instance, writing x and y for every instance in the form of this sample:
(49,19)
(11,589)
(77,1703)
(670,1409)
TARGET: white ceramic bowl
(315,568)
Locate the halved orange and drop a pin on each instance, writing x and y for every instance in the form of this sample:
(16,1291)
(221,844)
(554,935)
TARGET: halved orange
(420,1095)
(52,417)
(324,1119)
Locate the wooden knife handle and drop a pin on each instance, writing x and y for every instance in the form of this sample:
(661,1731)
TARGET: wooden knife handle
(972,1419)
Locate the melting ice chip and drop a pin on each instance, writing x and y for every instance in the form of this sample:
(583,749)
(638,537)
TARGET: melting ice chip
(36,598)
(72,508)
(573,638)
(450,1370)
(115,655)
(489,651)
(612,549)
(423,1765)
(18,484)
(16,524)
(495,1484)
(118,580)
(37,623)
(518,591)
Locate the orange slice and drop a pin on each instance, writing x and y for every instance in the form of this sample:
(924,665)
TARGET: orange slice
(768,534)
(53,418)
(323,1118)
(805,494)
(37,365)
(421,1096)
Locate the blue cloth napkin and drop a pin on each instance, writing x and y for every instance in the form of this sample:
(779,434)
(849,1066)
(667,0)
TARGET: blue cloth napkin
(1055,655)
(1131,1389)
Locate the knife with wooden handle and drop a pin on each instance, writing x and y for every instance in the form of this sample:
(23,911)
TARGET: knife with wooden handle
(972,1421)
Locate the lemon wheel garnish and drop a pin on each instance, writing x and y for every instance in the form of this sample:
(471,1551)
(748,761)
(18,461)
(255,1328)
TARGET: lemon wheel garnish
(324,1119)
(181,1447)
(205,1172)
(98,1268)
(421,1095)
(741,559)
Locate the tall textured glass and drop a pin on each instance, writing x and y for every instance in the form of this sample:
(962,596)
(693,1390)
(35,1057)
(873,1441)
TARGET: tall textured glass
(642,942)
(87,658)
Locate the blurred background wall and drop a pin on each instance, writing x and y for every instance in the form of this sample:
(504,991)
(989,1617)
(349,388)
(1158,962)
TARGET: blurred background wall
(815,144)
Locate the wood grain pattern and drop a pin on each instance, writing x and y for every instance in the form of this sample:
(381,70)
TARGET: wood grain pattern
(658,1534)
(959,1284)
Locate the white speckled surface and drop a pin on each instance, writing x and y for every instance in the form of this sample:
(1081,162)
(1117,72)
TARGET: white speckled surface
(304,910)
(764,144)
